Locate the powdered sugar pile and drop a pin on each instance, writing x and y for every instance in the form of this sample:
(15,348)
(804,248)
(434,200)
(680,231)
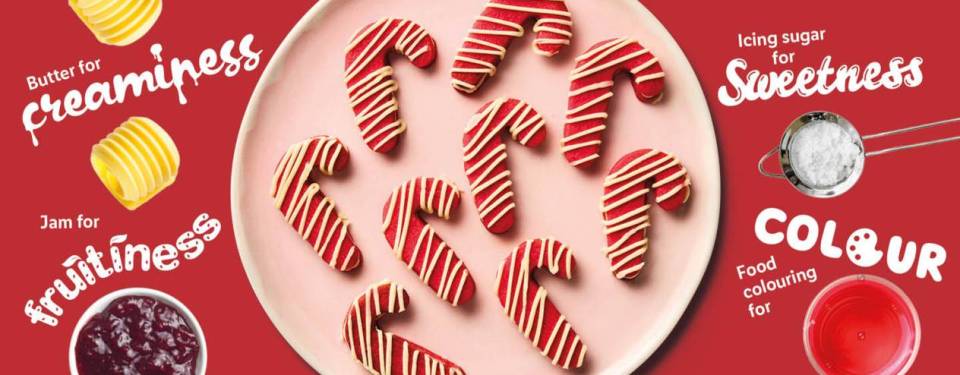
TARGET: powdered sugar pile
(823,154)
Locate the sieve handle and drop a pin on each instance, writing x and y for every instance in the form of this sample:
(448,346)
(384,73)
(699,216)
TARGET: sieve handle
(911,129)
(763,160)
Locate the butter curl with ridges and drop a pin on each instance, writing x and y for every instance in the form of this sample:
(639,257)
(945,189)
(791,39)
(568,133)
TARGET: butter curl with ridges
(136,161)
(117,22)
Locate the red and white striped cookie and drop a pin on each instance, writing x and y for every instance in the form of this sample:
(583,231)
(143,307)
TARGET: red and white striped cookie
(485,156)
(383,352)
(526,303)
(591,87)
(306,208)
(369,77)
(626,213)
(500,23)
(418,245)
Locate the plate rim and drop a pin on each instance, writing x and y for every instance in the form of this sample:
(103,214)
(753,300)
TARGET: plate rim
(626,365)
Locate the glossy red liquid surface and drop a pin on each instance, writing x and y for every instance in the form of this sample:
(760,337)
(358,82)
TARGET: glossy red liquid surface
(862,326)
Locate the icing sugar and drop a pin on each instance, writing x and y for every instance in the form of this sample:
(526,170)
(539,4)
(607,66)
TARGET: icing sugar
(823,154)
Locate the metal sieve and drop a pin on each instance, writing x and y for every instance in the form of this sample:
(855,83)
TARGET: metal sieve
(789,172)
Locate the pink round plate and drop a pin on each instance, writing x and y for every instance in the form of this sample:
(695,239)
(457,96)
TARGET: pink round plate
(302,94)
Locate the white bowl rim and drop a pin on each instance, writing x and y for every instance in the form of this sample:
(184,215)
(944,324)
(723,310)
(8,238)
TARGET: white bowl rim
(100,304)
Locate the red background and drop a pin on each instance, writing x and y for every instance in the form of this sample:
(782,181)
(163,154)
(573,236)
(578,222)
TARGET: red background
(716,333)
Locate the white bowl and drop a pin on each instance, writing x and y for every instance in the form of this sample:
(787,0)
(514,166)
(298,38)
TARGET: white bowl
(102,303)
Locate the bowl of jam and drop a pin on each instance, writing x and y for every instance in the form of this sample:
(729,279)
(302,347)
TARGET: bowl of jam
(138,331)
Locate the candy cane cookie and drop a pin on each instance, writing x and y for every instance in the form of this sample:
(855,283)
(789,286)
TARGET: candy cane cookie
(526,303)
(485,156)
(369,76)
(500,22)
(591,87)
(306,208)
(384,353)
(626,213)
(418,245)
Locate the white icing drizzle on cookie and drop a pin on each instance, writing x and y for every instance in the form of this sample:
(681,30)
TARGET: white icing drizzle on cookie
(373,95)
(493,193)
(428,254)
(377,350)
(555,339)
(592,98)
(549,20)
(630,183)
(291,182)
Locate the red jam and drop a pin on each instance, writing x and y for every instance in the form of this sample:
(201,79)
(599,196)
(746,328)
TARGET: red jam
(137,335)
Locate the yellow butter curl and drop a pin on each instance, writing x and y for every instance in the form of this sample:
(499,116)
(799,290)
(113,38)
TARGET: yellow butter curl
(136,161)
(117,22)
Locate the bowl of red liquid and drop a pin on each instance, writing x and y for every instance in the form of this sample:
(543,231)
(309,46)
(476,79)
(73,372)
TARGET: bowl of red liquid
(861,324)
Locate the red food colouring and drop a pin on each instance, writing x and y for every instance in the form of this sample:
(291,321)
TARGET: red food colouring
(861,324)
